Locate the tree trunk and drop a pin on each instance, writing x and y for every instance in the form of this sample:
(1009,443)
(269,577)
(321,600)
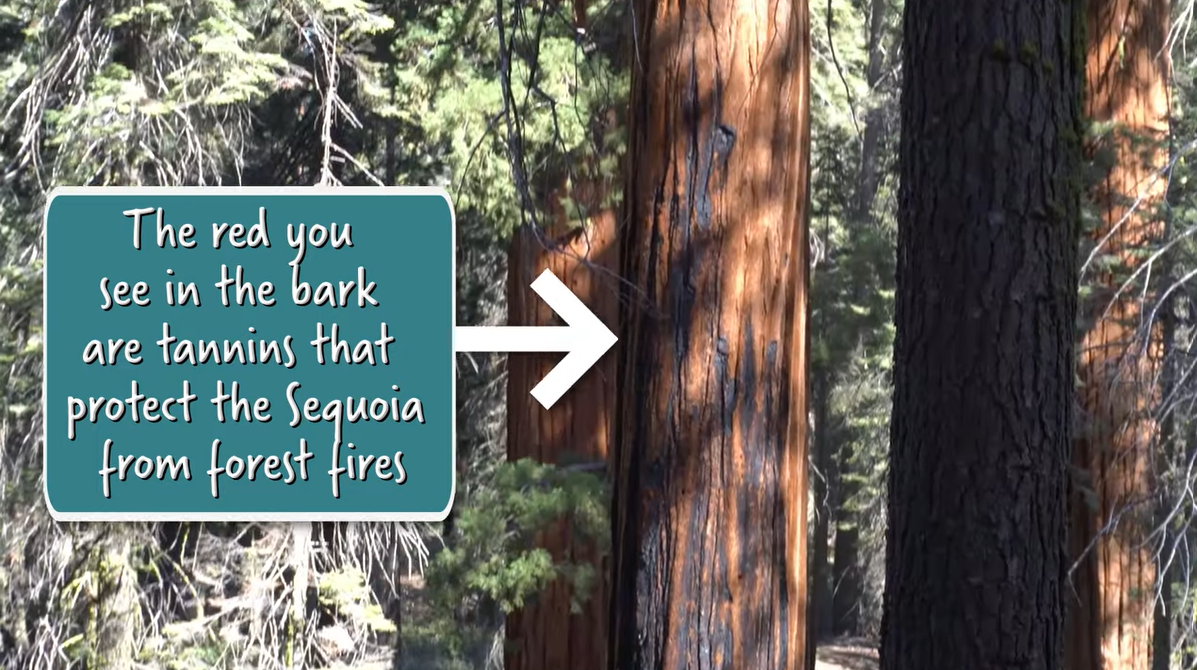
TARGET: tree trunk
(397,655)
(870,175)
(115,616)
(986,296)
(711,496)
(1161,626)
(1111,621)
(820,620)
(296,643)
(544,635)
(846,577)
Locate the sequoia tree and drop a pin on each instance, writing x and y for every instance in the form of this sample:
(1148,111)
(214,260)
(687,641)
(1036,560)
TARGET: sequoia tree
(1110,621)
(988,214)
(575,432)
(710,495)
(576,240)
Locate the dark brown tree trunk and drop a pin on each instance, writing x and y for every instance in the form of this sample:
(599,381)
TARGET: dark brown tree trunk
(986,300)
(1170,448)
(1161,626)
(711,495)
(846,577)
(870,175)
(1110,621)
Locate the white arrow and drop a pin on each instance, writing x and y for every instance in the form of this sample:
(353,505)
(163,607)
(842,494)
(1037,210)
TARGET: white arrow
(585,338)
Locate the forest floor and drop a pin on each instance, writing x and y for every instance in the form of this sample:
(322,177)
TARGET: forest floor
(425,646)
(846,655)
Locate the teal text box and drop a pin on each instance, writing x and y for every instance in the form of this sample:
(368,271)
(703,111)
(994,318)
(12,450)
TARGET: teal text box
(403,243)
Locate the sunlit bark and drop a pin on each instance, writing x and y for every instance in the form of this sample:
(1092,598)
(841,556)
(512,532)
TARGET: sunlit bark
(711,492)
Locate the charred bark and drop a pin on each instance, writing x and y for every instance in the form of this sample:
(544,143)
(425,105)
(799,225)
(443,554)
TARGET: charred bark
(710,499)
(986,296)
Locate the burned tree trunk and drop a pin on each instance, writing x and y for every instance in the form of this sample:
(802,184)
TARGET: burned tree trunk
(710,500)
(988,216)
(1110,621)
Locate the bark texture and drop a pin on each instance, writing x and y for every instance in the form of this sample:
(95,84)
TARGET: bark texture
(544,635)
(986,296)
(711,496)
(1110,619)
(578,430)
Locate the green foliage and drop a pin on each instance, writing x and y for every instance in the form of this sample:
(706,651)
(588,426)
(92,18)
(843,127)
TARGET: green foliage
(446,63)
(495,554)
(167,92)
(345,592)
(853,223)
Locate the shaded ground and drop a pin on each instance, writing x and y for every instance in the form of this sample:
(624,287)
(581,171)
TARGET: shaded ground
(847,655)
(426,646)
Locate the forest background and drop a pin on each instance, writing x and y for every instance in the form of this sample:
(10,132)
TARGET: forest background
(518,108)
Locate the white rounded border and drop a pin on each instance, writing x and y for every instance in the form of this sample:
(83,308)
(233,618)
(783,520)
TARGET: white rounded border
(164,191)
